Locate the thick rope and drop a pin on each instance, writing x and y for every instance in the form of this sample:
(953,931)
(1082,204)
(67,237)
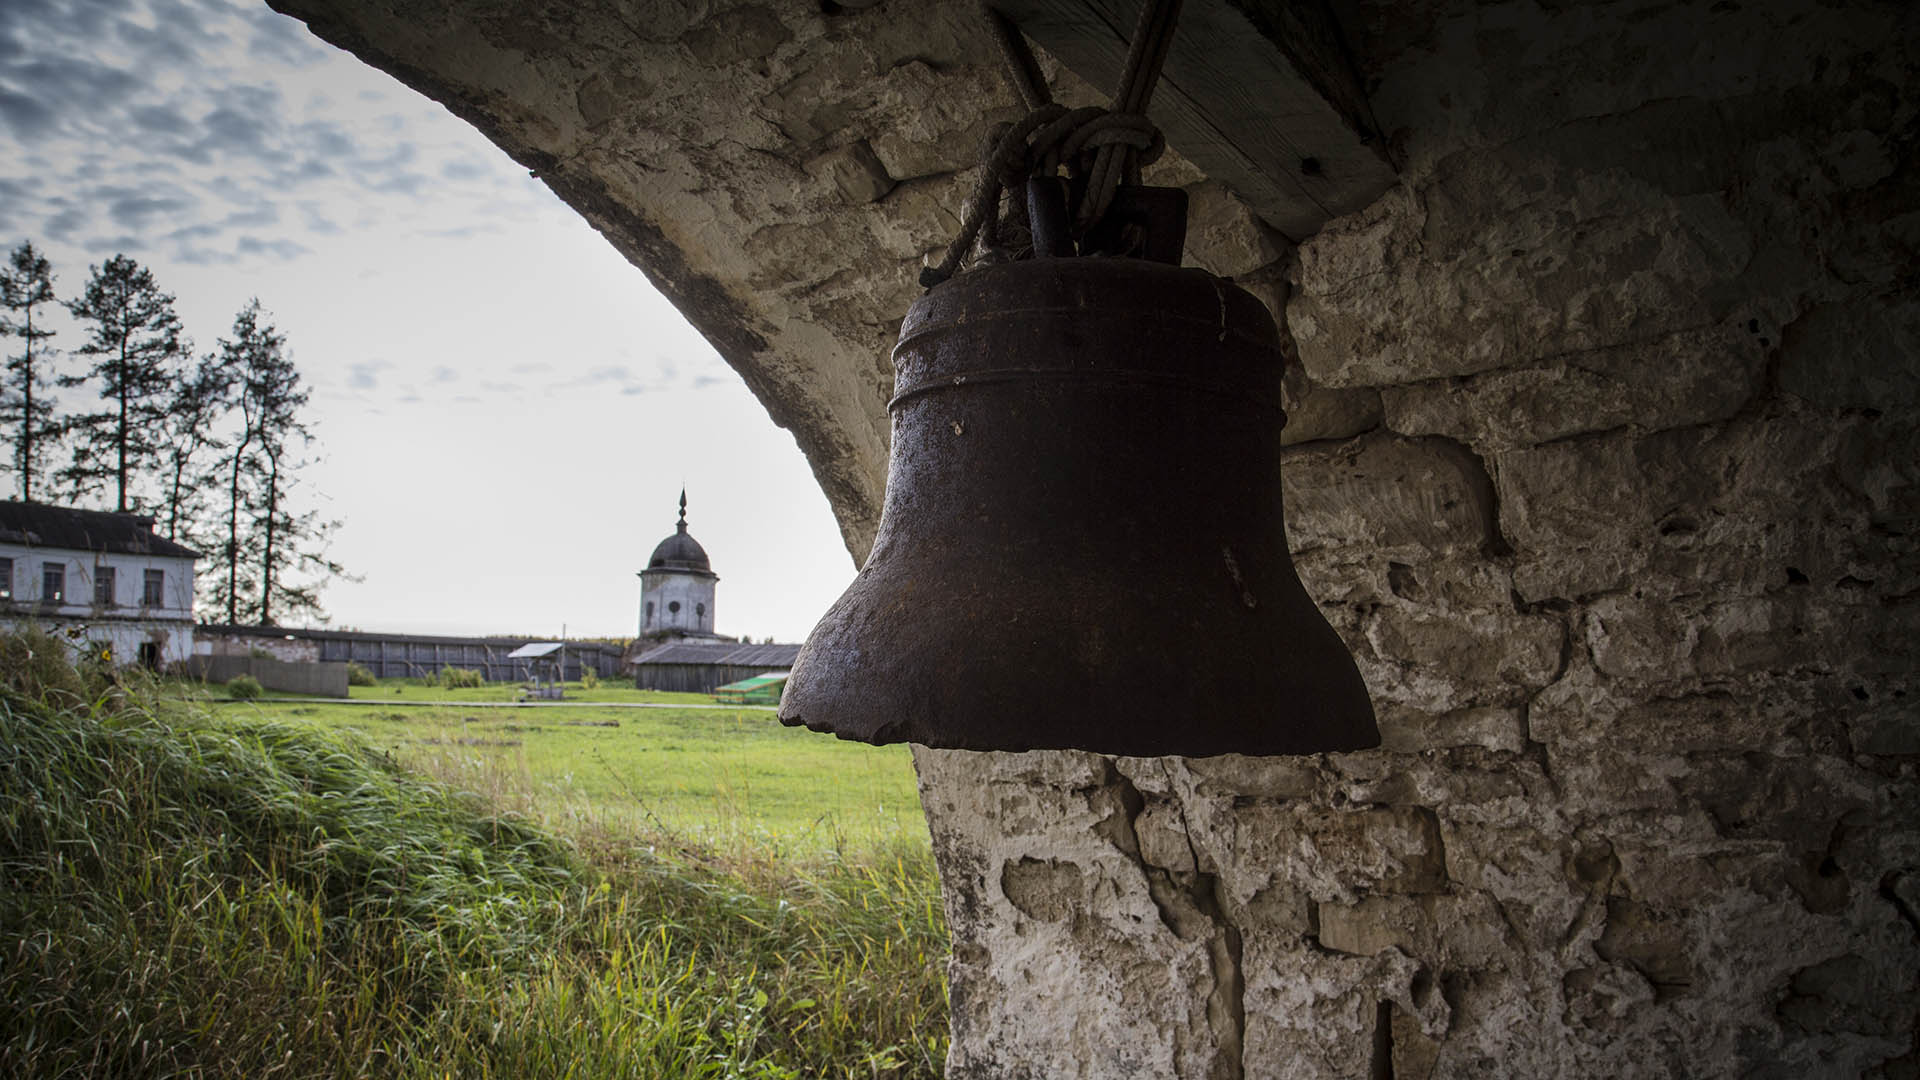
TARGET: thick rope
(1106,146)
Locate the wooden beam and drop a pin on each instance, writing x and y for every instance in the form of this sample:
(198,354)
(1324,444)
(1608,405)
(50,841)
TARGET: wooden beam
(1259,94)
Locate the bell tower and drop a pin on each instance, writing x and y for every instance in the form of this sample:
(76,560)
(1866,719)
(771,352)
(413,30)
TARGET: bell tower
(676,588)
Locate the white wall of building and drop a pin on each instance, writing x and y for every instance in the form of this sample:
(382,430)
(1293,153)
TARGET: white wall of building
(118,614)
(676,601)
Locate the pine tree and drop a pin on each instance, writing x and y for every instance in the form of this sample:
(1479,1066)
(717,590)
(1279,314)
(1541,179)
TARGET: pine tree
(194,409)
(136,338)
(26,412)
(267,546)
(253,350)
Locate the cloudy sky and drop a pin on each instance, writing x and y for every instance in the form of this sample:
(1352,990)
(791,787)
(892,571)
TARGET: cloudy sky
(506,410)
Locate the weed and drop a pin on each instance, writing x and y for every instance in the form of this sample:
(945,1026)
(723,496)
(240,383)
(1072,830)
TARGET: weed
(454,678)
(244,688)
(358,675)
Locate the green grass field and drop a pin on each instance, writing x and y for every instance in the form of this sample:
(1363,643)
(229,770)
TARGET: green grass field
(732,779)
(283,889)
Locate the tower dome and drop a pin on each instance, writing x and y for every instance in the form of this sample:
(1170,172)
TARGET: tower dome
(680,551)
(677,587)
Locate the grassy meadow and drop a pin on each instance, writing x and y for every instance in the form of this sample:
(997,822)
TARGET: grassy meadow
(385,890)
(729,778)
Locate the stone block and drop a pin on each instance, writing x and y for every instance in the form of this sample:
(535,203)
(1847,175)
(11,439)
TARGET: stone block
(1659,639)
(1374,925)
(1338,856)
(1891,729)
(1506,258)
(1653,941)
(854,171)
(1404,730)
(1672,511)
(1046,889)
(931,127)
(1224,236)
(1163,838)
(1863,353)
(1520,870)
(1686,378)
(743,33)
(1448,662)
(1316,413)
(1388,493)
(917,220)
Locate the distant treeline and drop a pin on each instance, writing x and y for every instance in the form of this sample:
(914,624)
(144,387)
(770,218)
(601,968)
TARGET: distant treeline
(209,444)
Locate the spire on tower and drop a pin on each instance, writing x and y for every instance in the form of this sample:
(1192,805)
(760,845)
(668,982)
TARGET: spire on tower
(683,509)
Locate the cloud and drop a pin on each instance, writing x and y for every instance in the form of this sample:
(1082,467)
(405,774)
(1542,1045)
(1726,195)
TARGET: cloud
(365,374)
(136,210)
(316,220)
(199,126)
(464,169)
(62,225)
(161,120)
(25,116)
(279,249)
(80,87)
(281,40)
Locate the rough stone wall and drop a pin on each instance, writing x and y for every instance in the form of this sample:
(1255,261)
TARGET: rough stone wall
(1606,469)
(1607,476)
(1602,460)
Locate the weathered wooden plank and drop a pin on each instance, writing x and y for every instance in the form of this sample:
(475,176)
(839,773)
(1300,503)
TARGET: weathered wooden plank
(1258,93)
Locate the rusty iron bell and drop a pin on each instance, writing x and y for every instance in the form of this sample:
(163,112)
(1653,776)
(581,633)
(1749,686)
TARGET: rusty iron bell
(1082,545)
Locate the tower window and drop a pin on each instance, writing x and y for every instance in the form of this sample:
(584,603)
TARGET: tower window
(700,610)
(649,611)
(673,606)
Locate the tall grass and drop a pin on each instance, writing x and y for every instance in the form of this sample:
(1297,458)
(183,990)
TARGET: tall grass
(183,896)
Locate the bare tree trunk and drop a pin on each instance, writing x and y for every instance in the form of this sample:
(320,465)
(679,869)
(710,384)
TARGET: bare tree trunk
(266,559)
(26,414)
(233,530)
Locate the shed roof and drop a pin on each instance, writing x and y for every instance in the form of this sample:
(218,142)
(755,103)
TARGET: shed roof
(534,649)
(726,653)
(756,682)
(40,525)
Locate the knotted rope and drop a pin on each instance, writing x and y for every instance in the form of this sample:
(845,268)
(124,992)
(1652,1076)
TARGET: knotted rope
(1105,147)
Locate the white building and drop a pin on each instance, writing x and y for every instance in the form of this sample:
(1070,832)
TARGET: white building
(99,577)
(676,588)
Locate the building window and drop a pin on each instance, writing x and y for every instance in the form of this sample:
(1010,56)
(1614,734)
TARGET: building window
(153,590)
(6,579)
(103,586)
(53,583)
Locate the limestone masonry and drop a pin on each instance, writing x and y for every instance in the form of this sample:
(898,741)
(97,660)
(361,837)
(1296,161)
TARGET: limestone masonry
(1603,461)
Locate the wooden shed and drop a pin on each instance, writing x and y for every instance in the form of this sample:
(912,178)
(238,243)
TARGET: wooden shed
(699,667)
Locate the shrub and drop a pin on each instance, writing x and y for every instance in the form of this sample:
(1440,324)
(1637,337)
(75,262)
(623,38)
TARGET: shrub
(358,675)
(455,678)
(589,678)
(244,688)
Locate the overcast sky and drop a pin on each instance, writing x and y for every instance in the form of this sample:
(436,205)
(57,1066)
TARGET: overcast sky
(506,409)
